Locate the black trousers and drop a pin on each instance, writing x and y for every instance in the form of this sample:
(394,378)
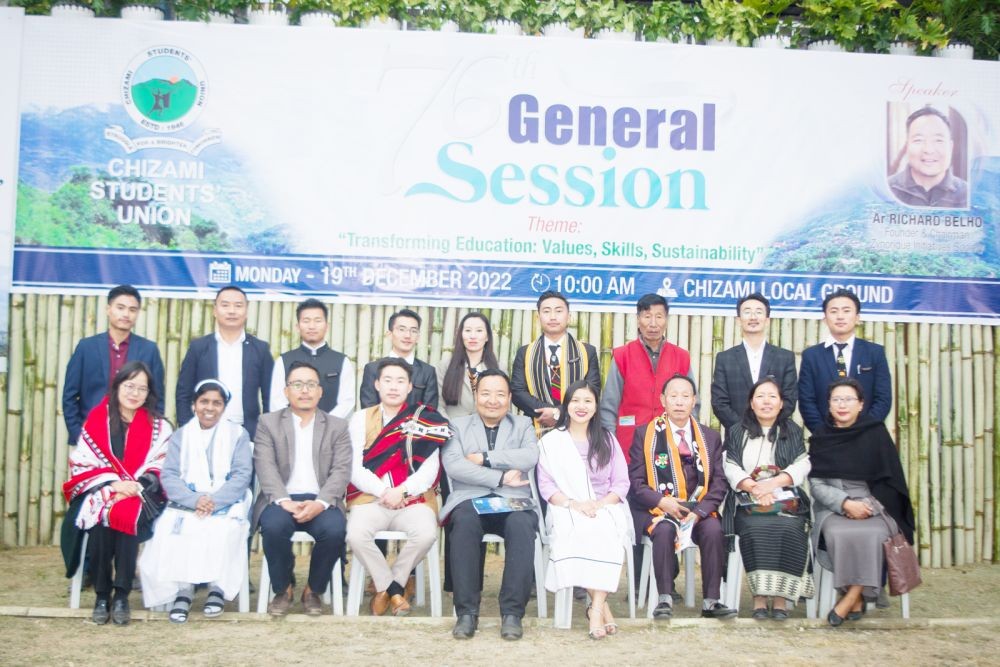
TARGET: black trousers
(464,544)
(328,528)
(113,555)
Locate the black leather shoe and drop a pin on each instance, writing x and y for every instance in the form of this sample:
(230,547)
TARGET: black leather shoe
(663,610)
(465,626)
(510,628)
(120,614)
(101,613)
(779,614)
(717,610)
(833,619)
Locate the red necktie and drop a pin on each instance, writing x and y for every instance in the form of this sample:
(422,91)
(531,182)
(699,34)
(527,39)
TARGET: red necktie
(682,446)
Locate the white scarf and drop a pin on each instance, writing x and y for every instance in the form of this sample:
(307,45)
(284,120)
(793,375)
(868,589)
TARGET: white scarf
(198,446)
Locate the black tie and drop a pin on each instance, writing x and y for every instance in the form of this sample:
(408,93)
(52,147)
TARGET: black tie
(841,363)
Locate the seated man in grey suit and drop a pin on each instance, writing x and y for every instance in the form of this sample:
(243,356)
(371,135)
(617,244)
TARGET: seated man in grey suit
(302,456)
(491,453)
(738,368)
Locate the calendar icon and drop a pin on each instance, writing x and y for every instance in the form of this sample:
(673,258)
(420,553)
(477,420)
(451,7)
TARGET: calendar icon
(220,272)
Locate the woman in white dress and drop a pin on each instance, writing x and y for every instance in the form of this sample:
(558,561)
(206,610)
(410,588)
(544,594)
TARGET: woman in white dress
(201,537)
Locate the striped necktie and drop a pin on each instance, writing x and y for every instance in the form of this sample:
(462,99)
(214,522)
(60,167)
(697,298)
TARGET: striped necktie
(841,362)
(555,377)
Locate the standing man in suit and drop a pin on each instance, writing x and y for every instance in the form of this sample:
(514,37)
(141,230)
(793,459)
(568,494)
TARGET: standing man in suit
(554,361)
(491,453)
(677,479)
(242,361)
(739,367)
(335,370)
(404,331)
(631,395)
(841,355)
(302,457)
(97,359)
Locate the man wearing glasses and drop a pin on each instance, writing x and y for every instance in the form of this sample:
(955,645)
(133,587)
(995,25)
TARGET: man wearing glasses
(302,457)
(739,367)
(404,332)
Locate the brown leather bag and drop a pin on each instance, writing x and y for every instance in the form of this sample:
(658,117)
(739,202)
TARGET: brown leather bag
(901,562)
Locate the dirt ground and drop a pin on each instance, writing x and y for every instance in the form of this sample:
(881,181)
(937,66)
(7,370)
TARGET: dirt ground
(955,619)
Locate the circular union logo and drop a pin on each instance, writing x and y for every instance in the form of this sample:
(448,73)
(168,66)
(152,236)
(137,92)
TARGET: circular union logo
(164,89)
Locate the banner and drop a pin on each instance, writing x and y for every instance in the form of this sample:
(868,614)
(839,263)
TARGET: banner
(11,23)
(413,167)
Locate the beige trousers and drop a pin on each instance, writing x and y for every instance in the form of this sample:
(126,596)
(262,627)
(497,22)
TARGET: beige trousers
(418,521)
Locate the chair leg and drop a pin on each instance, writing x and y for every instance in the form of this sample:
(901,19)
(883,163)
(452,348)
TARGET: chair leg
(76,585)
(543,610)
(647,560)
(904,604)
(689,556)
(562,616)
(336,588)
(651,587)
(434,580)
(263,588)
(734,576)
(630,564)
(355,587)
(421,590)
(244,597)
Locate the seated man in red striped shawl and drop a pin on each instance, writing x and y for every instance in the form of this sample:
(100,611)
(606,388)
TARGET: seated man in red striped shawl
(394,471)
(677,479)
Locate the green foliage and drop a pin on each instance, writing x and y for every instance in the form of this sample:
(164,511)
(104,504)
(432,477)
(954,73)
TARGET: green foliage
(670,19)
(616,15)
(972,22)
(43,7)
(570,12)
(730,19)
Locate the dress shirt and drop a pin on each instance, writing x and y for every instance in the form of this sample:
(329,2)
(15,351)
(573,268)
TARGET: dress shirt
(366,481)
(118,354)
(230,358)
(754,358)
(303,476)
(410,358)
(345,391)
(829,344)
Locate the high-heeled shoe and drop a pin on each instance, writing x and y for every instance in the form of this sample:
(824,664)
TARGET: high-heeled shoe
(833,619)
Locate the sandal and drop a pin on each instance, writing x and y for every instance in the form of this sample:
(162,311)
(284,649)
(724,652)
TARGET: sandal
(760,614)
(179,612)
(214,604)
(612,627)
(597,631)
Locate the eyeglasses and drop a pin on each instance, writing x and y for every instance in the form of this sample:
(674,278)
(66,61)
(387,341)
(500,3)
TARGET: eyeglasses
(300,386)
(413,331)
(843,400)
(133,388)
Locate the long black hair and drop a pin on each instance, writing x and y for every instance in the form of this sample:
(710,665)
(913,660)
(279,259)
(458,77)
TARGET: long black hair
(454,376)
(749,421)
(598,438)
(128,372)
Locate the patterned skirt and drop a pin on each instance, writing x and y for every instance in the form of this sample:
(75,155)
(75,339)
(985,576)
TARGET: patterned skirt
(775,550)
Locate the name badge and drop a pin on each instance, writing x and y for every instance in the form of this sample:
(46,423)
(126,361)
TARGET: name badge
(626,420)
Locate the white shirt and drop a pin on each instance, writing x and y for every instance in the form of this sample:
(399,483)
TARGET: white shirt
(760,452)
(230,363)
(688,435)
(754,358)
(345,393)
(303,477)
(410,358)
(365,479)
(829,343)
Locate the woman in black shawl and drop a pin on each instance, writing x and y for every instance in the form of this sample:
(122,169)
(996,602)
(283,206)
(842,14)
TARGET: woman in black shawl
(860,496)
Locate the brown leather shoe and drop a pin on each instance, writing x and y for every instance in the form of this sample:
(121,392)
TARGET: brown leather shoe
(281,602)
(380,602)
(313,603)
(411,586)
(400,607)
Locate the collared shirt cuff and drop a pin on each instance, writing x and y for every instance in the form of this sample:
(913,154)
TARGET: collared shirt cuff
(281,500)
(325,504)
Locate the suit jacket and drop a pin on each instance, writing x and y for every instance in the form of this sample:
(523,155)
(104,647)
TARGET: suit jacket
(526,402)
(819,368)
(731,381)
(274,456)
(424,381)
(516,448)
(642,497)
(87,378)
(202,362)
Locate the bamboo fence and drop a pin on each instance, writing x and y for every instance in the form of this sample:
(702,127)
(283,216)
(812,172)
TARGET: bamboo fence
(944,417)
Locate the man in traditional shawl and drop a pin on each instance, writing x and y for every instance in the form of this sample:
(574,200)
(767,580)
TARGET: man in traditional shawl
(676,475)
(393,474)
(553,362)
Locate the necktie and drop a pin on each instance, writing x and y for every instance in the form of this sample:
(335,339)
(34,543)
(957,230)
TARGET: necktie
(841,362)
(555,378)
(682,446)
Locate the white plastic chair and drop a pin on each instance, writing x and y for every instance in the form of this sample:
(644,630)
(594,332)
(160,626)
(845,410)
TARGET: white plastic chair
(734,583)
(543,609)
(356,586)
(335,590)
(562,614)
(76,583)
(828,597)
(647,576)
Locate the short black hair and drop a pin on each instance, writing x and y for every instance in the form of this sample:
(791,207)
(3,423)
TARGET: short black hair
(839,293)
(927,111)
(492,372)
(302,364)
(124,290)
(551,294)
(405,312)
(386,362)
(309,304)
(231,287)
(678,376)
(846,382)
(647,301)
(756,296)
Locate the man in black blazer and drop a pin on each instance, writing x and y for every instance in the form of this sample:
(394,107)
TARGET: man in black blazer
(242,361)
(862,360)
(739,367)
(550,364)
(404,331)
(96,360)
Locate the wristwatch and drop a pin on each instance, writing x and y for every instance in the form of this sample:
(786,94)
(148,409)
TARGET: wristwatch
(486,460)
